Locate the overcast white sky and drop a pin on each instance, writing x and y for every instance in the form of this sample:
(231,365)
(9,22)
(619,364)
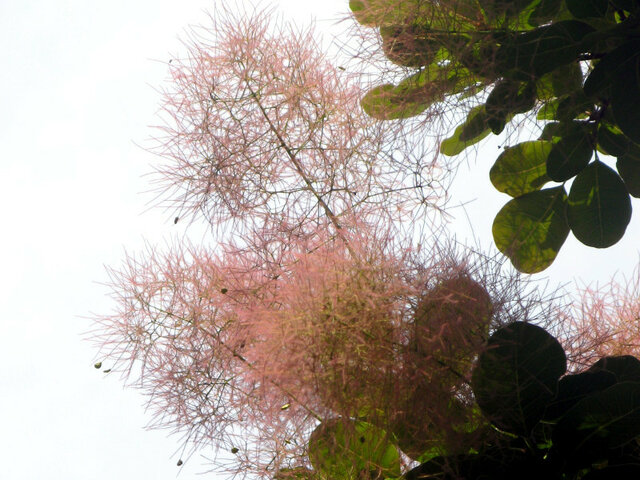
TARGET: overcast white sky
(77,82)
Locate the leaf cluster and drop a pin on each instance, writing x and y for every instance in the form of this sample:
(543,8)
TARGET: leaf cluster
(574,64)
(544,423)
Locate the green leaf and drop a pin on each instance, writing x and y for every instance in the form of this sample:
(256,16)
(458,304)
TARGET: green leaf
(548,109)
(469,133)
(517,375)
(629,169)
(611,140)
(587,8)
(571,154)
(551,132)
(531,229)
(599,206)
(600,422)
(521,169)
(566,79)
(508,97)
(544,11)
(576,105)
(625,97)
(345,449)
(409,45)
(610,68)
(386,102)
(534,53)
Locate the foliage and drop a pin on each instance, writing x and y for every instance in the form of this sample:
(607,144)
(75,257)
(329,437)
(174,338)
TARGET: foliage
(547,424)
(576,64)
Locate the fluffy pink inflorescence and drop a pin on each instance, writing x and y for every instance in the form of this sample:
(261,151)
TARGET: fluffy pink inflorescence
(262,130)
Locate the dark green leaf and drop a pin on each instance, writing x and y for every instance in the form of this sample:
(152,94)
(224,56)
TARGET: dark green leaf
(551,132)
(340,448)
(517,375)
(571,154)
(599,206)
(600,81)
(470,132)
(625,97)
(587,8)
(573,388)
(534,53)
(408,45)
(521,169)
(577,105)
(626,368)
(544,11)
(629,169)
(531,229)
(611,140)
(600,422)
(566,79)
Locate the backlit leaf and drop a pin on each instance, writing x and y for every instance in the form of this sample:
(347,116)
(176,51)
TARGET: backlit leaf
(599,207)
(531,229)
(521,169)
(470,132)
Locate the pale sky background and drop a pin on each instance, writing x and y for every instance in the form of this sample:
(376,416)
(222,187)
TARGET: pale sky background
(78,83)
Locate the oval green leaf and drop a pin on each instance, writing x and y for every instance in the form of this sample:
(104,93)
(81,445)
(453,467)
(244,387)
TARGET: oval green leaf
(517,375)
(599,207)
(341,448)
(531,229)
(521,169)
(571,154)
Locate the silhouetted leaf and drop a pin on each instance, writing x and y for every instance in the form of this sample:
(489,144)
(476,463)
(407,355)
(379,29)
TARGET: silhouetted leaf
(611,140)
(544,11)
(571,154)
(609,68)
(534,53)
(600,422)
(517,375)
(587,8)
(576,105)
(531,229)
(521,169)
(573,388)
(599,206)
(625,97)
(626,368)
(629,169)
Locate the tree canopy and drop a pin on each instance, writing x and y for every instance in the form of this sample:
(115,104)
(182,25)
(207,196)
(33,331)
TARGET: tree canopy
(573,64)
